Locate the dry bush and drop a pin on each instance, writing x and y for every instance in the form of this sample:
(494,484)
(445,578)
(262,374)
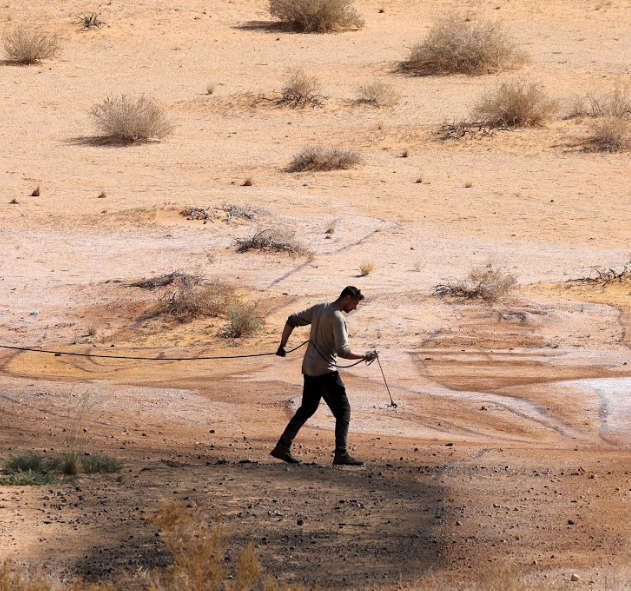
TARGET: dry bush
(615,103)
(607,276)
(272,240)
(489,284)
(176,278)
(242,322)
(90,20)
(189,302)
(609,134)
(126,120)
(28,44)
(319,159)
(515,104)
(456,46)
(300,90)
(366,268)
(378,94)
(241,212)
(316,16)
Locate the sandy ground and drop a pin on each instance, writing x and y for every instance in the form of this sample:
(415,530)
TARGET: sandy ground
(510,444)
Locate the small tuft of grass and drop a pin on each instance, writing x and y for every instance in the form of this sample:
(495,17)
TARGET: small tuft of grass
(90,20)
(36,192)
(316,16)
(468,185)
(366,268)
(378,94)
(210,88)
(126,120)
(102,195)
(301,90)
(515,104)
(100,464)
(93,330)
(27,44)
(405,153)
(70,463)
(14,201)
(489,284)
(272,240)
(247,182)
(319,159)
(242,322)
(609,134)
(454,45)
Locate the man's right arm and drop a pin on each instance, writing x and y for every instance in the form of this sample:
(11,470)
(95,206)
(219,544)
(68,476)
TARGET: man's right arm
(298,319)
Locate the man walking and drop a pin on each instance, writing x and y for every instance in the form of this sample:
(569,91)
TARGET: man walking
(327,341)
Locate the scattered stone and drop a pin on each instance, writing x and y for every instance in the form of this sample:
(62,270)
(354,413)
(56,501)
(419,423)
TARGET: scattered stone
(575,577)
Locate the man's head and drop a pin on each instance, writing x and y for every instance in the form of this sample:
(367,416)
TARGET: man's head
(349,299)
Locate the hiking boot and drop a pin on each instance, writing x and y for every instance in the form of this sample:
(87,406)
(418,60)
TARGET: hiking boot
(346,460)
(281,453)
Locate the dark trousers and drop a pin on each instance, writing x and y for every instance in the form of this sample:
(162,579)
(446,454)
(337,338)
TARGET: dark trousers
(330,387)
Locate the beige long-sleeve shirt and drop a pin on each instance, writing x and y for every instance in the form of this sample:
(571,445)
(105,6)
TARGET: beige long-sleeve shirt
(328,333)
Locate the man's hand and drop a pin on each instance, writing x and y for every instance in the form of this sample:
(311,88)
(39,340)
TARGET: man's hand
(281,352)
(370,355)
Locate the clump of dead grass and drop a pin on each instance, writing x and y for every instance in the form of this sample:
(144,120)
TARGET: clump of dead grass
(126,120)
(177,278)
(272,240)
(614,103)
(316,16)
(515,104)
(319,159)
(301,90)
(366,268)
(604,276)
(189,302)
(28,44)
(489,284)
(609,134)
(455,45)
(378,94)
(241,212)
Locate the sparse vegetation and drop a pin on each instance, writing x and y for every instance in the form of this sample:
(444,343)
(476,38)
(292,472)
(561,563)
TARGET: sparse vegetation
(272,240)
(126,120)
(36,192)
(210,88)
(609,134)
(14,201)
(199,563)
(316,16)
(457,130)
(378,94)
(242,322)
(241,212)
(248,182)
(36,469)
(405,153)
(27,44)
(607,276)
(300,90)
(100,464)
(456,46)
(489,284)
(366,268)
(319,159)
(515,104)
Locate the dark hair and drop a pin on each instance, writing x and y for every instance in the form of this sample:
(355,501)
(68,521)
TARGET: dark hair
(353,292)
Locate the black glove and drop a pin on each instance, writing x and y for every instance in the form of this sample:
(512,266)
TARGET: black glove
(281,351)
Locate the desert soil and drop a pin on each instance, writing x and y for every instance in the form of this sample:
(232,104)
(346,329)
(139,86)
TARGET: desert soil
(510,445)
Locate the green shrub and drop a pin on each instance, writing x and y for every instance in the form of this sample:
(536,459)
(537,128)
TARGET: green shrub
(100,464)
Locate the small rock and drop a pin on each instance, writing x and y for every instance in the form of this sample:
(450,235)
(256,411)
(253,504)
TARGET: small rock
(575,577)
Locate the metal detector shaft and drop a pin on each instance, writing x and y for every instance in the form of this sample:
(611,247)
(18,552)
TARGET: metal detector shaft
(392,402)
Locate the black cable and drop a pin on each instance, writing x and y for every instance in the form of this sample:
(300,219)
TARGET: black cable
(59,353)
